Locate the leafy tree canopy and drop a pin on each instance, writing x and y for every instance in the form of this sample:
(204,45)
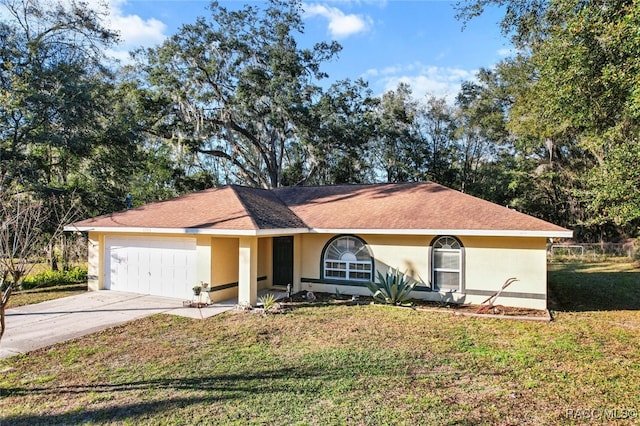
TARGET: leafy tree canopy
(579,95)
(239,85)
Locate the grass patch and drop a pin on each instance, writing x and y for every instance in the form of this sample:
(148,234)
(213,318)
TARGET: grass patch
(37,295)
(43,285)
(594,286)
(334,365)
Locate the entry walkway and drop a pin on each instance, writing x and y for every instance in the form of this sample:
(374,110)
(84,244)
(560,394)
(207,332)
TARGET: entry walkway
(44,324)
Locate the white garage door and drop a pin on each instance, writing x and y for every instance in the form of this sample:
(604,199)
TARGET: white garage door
(157,266)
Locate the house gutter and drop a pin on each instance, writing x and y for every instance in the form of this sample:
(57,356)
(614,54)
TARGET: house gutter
(188,231)
(291,231)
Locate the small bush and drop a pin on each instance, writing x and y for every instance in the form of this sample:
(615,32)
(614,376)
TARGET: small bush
(393,288)
(52,278)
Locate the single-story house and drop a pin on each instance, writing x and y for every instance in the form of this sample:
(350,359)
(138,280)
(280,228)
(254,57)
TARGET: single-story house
(325,239)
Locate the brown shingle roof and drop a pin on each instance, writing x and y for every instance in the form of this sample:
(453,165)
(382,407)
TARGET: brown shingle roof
(426,206)
(412,206)
(218,208)
(267,210)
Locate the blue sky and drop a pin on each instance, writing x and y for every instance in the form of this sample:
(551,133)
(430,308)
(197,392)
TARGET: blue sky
(385,42)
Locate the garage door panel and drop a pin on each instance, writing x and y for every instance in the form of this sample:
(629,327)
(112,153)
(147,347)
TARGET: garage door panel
(132,280)
(157,266)
(118,267)
(143,271)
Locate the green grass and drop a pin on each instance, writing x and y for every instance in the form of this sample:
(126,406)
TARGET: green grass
(37,295)
(43,284)
(594,286)
(341,365)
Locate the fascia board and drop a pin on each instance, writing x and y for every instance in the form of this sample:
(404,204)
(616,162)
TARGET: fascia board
(187,231)
(289,231)
(457,232)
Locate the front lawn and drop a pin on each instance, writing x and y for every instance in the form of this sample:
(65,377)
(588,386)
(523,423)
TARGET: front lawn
(337,365)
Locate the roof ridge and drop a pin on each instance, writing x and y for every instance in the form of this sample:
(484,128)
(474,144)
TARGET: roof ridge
(234,189)
(336,185)
(246,203)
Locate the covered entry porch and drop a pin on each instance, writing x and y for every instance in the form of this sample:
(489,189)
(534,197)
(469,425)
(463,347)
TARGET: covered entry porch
(243,266)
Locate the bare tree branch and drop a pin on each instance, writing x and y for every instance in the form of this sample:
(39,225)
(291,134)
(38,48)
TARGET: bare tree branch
(23,236)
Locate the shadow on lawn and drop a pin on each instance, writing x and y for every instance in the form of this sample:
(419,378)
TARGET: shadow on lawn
(53,289)
(117,413)
(221,382)
(578,288)
(217,388)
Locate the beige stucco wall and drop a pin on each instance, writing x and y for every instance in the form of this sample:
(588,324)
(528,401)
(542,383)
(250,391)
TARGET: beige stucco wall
(311,249)
(224,267)
(95,277)
(488,263)
(407,253)
(203,259)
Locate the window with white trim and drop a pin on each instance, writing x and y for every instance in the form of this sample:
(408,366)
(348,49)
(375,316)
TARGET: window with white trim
(446,261)
(347,258)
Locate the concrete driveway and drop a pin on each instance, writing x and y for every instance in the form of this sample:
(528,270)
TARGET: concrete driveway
(44,324)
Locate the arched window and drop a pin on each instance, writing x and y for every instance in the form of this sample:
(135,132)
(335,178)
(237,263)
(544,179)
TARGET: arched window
(347,258)
(446,263)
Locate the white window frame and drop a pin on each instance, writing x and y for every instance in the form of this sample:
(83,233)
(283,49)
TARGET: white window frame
(350,268)
(434,269)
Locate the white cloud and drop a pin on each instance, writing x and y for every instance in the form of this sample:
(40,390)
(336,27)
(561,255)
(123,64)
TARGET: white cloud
(423,79)
(385,71)
(340,24)
(134,31)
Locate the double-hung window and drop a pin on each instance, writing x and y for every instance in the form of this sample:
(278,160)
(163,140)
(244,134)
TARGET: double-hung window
(446,261)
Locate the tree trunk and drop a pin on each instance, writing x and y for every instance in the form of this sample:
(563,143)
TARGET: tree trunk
(1,321)
(6,294)
(53,260)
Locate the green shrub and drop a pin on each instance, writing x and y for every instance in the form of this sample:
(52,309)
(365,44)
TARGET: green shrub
(394,288)
(52,278)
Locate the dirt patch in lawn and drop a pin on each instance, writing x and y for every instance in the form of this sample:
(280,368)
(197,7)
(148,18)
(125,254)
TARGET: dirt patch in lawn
(306,299)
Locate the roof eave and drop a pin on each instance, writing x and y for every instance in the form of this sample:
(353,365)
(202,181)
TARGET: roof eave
(288,231)
(187,231)
(457,232)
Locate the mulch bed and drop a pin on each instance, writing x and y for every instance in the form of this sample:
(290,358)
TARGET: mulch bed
(303,298)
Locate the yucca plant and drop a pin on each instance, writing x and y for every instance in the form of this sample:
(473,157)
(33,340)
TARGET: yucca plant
(268,302)
(394,288)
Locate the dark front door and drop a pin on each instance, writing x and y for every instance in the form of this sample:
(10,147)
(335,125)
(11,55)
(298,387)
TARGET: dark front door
(282,261)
